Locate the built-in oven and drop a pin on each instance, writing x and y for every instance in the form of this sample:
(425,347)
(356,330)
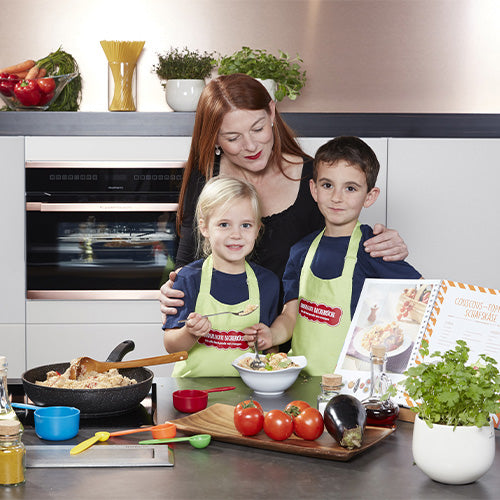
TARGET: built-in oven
(100,229)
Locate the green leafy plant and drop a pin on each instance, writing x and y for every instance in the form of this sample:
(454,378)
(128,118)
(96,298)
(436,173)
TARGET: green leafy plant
(286,72)
(452,391)
(184,64)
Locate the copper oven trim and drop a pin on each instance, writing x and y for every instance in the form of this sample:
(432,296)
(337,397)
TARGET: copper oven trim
(105,164)
(35,206)
(93,294)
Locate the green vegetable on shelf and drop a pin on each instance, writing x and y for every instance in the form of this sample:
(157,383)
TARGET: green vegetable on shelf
(62,63)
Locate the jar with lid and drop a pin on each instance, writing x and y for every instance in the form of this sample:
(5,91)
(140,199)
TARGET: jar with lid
(381,410)
(12,453)
(331,384)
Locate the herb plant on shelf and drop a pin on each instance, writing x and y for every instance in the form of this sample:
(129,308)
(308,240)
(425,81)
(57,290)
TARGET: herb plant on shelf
(259,63)
(184,64)
(451,391)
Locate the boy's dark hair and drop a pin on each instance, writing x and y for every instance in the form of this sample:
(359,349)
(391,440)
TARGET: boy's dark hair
(352,150)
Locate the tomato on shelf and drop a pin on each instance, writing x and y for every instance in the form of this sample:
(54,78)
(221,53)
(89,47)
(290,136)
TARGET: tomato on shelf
(46,85)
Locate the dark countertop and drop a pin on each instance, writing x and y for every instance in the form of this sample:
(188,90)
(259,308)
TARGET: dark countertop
(224,470)
(26,123)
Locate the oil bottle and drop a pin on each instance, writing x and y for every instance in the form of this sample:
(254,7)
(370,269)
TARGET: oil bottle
(381,410)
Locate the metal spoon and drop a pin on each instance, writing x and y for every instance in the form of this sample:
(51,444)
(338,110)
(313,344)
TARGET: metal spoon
(198,441)
(85,364)
(243,312)
(257,363)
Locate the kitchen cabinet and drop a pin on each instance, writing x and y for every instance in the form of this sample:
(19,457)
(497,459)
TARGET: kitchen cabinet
(12,291)
(443,199)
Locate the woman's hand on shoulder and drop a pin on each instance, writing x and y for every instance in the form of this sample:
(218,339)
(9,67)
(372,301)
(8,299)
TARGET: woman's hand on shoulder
(387,243)
(170,298)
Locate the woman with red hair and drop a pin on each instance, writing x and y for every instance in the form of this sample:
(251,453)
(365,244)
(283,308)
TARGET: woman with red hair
(238,132)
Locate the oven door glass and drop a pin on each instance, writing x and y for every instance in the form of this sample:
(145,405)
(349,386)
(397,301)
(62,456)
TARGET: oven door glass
(85,247)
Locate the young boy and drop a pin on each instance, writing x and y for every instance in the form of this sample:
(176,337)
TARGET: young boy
(326,270)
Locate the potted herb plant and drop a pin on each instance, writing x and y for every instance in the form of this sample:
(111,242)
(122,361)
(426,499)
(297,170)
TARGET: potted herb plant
(284,71)
(453,435)
(183,73)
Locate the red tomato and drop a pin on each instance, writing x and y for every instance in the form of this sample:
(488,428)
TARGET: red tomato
(308,424)
(278,425)
(296,407)
(248,402)
(248,418)
(46,85)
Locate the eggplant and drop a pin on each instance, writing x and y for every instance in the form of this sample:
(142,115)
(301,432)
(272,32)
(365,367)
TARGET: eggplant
(345,420)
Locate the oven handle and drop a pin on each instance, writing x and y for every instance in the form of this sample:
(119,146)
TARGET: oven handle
(101,207)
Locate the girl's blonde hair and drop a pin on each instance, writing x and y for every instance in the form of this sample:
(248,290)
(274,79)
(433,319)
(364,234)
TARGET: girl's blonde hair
(219,193)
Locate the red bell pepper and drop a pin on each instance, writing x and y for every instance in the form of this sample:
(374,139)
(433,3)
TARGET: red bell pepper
(27,92)
(7,83)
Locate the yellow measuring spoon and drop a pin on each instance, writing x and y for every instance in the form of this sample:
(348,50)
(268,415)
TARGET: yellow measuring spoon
(99,436)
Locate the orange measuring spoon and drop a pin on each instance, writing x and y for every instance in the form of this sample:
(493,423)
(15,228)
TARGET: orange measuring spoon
(161,431)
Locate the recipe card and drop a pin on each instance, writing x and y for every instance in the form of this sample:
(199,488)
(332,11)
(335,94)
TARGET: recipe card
(402,313)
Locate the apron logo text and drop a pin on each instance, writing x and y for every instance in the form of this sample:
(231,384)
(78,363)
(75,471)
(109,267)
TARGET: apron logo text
(224,340)
(320,313)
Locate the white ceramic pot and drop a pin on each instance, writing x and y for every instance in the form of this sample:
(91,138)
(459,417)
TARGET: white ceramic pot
(271,87)
(183,95)
(450,456)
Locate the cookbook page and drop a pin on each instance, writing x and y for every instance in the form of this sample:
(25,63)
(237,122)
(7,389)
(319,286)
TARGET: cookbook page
(465,312)
(392,312)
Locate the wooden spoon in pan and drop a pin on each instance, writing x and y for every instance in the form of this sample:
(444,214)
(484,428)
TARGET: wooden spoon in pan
(84,364)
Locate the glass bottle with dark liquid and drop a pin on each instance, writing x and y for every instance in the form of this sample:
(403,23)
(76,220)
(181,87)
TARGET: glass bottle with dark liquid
(380,410)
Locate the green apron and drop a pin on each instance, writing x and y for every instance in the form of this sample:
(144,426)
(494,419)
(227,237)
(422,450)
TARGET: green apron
(324,314)
(213,354)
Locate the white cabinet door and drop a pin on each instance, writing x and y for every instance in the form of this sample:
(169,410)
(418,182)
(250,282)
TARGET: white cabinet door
(12,260)
(443,197)
(12,266)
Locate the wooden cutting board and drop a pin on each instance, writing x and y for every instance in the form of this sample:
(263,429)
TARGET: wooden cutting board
(217,420)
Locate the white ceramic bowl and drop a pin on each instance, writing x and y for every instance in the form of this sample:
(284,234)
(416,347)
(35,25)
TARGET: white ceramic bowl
(270,383)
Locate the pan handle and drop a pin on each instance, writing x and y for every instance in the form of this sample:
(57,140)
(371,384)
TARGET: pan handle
(120,350)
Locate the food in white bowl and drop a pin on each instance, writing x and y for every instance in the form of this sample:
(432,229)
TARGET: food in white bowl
(272,362)
(269,382)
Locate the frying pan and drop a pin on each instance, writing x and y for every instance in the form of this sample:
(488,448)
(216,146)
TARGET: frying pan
(91,402)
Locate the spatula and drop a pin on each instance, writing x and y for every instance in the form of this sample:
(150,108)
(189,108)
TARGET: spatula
(84,364)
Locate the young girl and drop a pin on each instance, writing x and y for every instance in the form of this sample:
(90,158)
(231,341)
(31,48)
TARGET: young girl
(228,216)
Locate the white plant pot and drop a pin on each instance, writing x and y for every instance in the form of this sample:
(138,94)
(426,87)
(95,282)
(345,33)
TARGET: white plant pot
(271,87)
(450,456)
(183,95)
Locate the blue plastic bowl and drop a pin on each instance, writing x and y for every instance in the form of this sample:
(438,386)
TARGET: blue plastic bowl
(57,423)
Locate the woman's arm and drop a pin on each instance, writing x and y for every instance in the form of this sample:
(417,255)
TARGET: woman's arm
(387,244)
(170,297)
(183,339)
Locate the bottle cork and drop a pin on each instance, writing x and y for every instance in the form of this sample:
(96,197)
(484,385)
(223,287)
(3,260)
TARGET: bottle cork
(331,380)
(9,427)
(379,350)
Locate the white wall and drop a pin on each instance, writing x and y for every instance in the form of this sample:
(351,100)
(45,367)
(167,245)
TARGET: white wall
(360,55)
